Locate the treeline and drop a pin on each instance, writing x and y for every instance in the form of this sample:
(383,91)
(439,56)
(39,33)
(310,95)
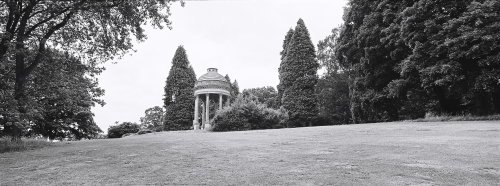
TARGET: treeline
(389,60)
(295,104)
(405,59)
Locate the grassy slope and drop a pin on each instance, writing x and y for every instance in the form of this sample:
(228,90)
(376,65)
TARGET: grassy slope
(453,153)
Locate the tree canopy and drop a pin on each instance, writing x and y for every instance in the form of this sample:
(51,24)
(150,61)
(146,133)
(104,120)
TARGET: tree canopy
(333,87)
(413,57)
(60,94)
(93,31)
(153,119)
(263,95)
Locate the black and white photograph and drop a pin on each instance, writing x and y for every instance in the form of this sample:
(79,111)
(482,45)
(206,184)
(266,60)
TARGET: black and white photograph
(250,92)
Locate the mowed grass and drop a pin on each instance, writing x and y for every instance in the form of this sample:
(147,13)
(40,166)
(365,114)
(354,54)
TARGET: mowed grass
(399,153)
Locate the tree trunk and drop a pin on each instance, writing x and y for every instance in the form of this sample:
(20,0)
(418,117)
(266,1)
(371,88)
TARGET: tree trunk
(496,100)
(3,49)
(16,134)
(19,95)
(19,89)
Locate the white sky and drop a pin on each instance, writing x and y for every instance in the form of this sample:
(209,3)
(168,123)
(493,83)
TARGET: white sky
(242,38)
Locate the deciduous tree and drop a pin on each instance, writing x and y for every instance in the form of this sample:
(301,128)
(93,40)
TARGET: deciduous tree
(64,90)
(91,30)
(333,88)
(153,118)
(263,95)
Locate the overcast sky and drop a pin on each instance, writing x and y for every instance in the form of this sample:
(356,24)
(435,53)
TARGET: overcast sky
(242,38)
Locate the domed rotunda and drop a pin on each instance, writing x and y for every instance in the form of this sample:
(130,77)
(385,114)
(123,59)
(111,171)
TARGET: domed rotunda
(210,87)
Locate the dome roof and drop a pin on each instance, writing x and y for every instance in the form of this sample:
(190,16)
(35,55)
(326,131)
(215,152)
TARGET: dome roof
(212,75)
(212,83)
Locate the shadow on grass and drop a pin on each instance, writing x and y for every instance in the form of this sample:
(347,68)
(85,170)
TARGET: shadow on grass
(6,145)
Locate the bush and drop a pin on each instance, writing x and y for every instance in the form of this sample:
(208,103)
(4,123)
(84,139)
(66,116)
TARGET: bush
(245,114)
(144,131)
(129,134)
(118,131)
(431,117)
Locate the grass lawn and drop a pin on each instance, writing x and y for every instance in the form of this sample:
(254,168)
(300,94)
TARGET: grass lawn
(399,153)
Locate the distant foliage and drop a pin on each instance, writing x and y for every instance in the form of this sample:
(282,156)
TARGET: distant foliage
(333,88)
(263,95)
(298,78)
(247,114)
(333,99)
(153,119)
(235,88)
(179,99)
(119,130)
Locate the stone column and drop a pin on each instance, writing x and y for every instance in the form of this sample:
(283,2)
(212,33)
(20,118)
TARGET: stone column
(220,101)
(207,112)
(196,123)
(203,120)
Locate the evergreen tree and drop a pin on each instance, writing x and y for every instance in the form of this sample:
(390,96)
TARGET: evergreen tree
(298,77)
(288,36)
(235,89)
(476,45)
(228,79)
(454,44)
(179,97)
(369,47)
(412,57)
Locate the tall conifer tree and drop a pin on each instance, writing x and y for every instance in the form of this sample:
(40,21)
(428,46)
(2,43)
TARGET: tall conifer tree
(235,89)
(298,78)
(179,97)
(288,37)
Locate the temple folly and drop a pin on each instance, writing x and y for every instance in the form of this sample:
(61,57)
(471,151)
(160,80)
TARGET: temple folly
(210,89)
